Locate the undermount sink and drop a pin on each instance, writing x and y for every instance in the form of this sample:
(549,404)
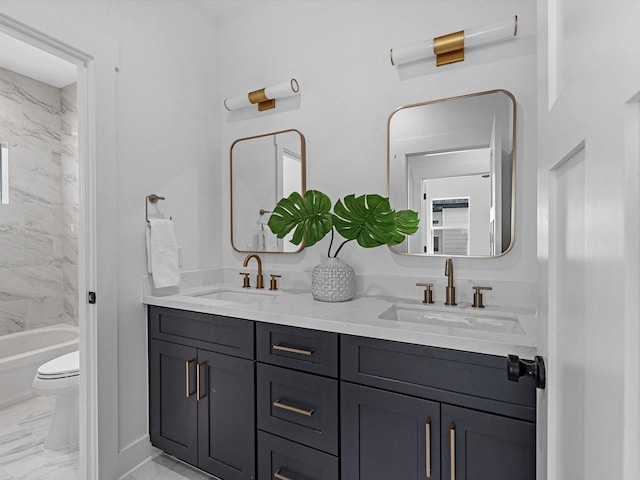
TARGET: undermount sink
(453,317)
(236,295)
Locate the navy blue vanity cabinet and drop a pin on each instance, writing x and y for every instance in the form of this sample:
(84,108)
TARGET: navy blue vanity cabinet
(480,445)
(171,391)
(297,403)
(388,435)
(416,412)
(202,390)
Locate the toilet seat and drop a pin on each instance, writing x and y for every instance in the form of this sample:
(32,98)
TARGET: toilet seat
(62,367)
(59,377)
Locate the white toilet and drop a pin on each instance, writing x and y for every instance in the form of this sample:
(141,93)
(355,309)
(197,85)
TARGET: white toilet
(60,378)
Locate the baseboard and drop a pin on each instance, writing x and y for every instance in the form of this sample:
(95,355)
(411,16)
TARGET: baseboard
(136,454)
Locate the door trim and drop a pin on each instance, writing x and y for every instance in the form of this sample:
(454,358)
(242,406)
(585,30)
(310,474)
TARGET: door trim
(88,456)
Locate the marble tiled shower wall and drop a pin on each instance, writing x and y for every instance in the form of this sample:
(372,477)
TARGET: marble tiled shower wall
(38,229)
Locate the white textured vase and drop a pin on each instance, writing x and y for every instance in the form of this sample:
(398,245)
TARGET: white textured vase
(333,281)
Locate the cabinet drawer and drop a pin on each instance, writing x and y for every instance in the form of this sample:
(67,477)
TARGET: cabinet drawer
(299,406)
(308,350)
(280,459)
(467,379)
(231,336)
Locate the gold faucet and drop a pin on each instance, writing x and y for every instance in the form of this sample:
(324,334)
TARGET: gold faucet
(451,290)
(260,277)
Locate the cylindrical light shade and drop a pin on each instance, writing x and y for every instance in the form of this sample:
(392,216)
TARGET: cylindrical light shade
(237,102)
(285,89)
(411,53)
(473,37)
(493,32)
(281,90)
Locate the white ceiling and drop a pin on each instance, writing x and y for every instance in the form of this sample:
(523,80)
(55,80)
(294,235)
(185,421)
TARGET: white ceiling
(32,62)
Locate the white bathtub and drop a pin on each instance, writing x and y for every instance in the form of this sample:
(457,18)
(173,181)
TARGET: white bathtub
(22,353)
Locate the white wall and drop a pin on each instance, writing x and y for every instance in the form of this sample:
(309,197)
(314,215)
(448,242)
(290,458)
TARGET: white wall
(339,53)
(172,137)
(166,142)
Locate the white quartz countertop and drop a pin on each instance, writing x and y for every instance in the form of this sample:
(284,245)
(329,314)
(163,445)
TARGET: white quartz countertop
(360,317)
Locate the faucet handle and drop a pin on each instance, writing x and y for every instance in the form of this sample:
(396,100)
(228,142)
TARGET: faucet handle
(428,293)
(245,280)
(273,284)
(477,296)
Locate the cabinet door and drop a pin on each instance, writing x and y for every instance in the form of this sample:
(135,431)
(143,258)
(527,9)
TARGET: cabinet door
(486,446)
(388,435)
(172,402)
(226,416)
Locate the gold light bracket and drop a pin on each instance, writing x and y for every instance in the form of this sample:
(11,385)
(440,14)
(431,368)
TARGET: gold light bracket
(259,97)
(449,48)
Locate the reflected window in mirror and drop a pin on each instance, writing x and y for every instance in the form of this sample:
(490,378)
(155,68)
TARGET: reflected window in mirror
(453,160)
(264,169)
(4,173)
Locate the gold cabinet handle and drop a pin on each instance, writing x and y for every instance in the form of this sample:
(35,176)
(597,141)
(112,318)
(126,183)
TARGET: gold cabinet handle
(187,377)
(280,476)
(452,446)
(284,406)
(427,435)
(299,351)
(199,395)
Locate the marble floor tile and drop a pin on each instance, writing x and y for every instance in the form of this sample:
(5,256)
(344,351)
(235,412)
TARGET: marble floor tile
(22,431)
(164,467)
(23,428)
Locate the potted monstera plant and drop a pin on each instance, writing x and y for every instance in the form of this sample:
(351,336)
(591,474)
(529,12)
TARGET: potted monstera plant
(368,220)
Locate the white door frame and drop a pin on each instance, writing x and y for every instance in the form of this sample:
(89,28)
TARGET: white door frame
(86,235)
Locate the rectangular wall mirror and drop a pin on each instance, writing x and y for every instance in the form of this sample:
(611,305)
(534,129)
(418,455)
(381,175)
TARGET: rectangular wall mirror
(264,169)
(453,161)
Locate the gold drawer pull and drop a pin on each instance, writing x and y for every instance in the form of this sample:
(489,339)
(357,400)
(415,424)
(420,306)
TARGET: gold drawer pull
(280,476)
(299,351)
(427,435)
(284,406)
(199,395)
(452,446)
(187,381)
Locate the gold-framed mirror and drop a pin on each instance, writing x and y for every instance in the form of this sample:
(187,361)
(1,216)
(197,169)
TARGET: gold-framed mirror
(453,161)
(263,169)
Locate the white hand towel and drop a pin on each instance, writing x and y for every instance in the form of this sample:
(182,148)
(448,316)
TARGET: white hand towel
(162,253)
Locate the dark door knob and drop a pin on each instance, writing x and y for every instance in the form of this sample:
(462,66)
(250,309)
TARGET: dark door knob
(535,369)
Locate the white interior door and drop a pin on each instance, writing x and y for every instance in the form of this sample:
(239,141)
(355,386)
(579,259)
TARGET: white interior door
(588,256)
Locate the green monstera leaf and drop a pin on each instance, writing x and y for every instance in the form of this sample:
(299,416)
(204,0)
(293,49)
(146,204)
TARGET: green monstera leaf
(406,223)
(368,219)
(309,215)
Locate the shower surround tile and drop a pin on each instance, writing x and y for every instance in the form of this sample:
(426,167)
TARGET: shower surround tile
(38,229)
(25,250)
(41,219)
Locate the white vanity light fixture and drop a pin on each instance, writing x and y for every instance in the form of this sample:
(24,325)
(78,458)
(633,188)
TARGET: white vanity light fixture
(450,48)
(265,97)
